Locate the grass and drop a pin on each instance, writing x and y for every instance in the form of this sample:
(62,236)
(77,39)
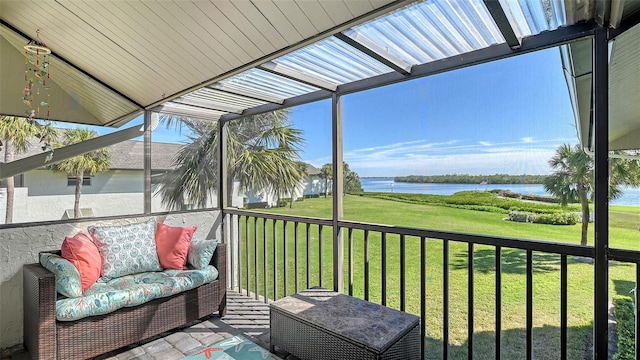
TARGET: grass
(546,306)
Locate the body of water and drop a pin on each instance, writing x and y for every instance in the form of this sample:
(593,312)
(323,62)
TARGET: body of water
(630,196)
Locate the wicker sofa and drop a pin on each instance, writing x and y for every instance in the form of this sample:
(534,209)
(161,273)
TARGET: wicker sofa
(47,338)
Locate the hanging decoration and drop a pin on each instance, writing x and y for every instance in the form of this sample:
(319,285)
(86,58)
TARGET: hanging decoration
(36,94)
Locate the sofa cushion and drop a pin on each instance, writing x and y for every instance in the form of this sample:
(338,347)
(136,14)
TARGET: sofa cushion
(104,297)
(84,255)
(172,244)
(67,276)
(201,252)
(126,249)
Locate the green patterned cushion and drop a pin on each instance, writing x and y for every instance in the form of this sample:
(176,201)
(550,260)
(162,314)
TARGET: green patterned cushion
(67,276)
(126,249)
(200,252)
(104,297)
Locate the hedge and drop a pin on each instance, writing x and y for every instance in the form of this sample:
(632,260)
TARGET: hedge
(625,328)
(549,219)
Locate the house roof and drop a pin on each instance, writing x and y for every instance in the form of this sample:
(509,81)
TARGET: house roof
(126,155)
(223,60)
(312,170)
(129,155)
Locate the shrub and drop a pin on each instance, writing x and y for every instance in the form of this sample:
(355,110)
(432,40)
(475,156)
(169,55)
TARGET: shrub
(625,327)
(557,219)
(283,202)
(520,217)
(550,219)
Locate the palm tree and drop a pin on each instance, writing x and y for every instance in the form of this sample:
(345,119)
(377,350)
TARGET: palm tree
(351,180)
(89,163)
(16,134)
(327,174)
(573,179)
(262,151)
(301,167)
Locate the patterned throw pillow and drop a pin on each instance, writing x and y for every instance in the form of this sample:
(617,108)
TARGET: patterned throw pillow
(201,252)
(126,249)
(67,276)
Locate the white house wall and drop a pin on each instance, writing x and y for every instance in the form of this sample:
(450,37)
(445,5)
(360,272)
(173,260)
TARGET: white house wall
(46,182)
(312,186)
(21,245)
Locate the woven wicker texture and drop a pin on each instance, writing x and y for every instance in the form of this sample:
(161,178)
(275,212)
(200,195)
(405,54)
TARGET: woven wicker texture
(46,338)
(292,333)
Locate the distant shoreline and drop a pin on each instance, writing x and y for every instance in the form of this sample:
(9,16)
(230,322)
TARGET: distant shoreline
(468,179)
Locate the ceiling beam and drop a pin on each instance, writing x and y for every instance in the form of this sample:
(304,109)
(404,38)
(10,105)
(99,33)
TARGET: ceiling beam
(37,161)
(190,111)
(280,70)
(294,101)
(204,104)
(625,25)
(248,95)
(378,54)
(501,20)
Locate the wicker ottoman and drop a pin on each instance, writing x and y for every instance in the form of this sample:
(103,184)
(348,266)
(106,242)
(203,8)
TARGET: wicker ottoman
(322,324)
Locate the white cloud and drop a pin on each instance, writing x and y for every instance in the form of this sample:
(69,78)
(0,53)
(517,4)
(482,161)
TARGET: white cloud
(527,139)
(423,158)
(484,143)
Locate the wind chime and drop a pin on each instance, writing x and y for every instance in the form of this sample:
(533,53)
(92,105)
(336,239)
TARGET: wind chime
(36,95)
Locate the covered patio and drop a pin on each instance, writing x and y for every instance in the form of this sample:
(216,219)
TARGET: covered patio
(221,61)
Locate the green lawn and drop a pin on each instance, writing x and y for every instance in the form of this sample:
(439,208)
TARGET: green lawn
(623,230)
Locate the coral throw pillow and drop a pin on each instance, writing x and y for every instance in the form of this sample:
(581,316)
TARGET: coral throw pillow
(172,244)
(84,255)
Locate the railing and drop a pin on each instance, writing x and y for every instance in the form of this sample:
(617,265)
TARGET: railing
(379,260)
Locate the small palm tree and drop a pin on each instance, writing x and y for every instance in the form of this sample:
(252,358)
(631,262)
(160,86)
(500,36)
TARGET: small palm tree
(301,168)
(17,134)
(262,151)
(90,163)
(573,179)
(327,174)
(351,180)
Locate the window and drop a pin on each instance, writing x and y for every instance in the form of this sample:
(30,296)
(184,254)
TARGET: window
(86,180)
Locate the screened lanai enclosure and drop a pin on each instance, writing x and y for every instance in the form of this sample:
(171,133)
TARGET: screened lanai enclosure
(131,67)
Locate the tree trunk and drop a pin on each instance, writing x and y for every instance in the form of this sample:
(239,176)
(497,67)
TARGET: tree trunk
(584,200)
(8,157)
(76,204)
(229,189)
(326,186)
(291,202)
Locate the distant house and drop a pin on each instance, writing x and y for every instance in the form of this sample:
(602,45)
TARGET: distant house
(312,186)
(42,194)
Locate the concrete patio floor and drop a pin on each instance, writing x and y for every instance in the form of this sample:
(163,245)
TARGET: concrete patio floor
(245,316)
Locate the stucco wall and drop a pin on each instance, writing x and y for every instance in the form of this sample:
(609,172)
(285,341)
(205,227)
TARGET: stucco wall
(20,245)
(46,182)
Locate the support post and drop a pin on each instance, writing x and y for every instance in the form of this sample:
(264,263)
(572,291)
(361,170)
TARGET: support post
(601,226)
(222,166)
(228,232)
(337,191)
(147,161)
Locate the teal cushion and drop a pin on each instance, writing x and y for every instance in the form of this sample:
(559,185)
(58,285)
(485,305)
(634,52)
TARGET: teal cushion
(201,252)
(68,281)
(126,249)
(104,297)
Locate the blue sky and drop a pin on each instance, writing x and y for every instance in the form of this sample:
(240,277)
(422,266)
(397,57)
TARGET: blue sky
(506,116)
(502,117)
